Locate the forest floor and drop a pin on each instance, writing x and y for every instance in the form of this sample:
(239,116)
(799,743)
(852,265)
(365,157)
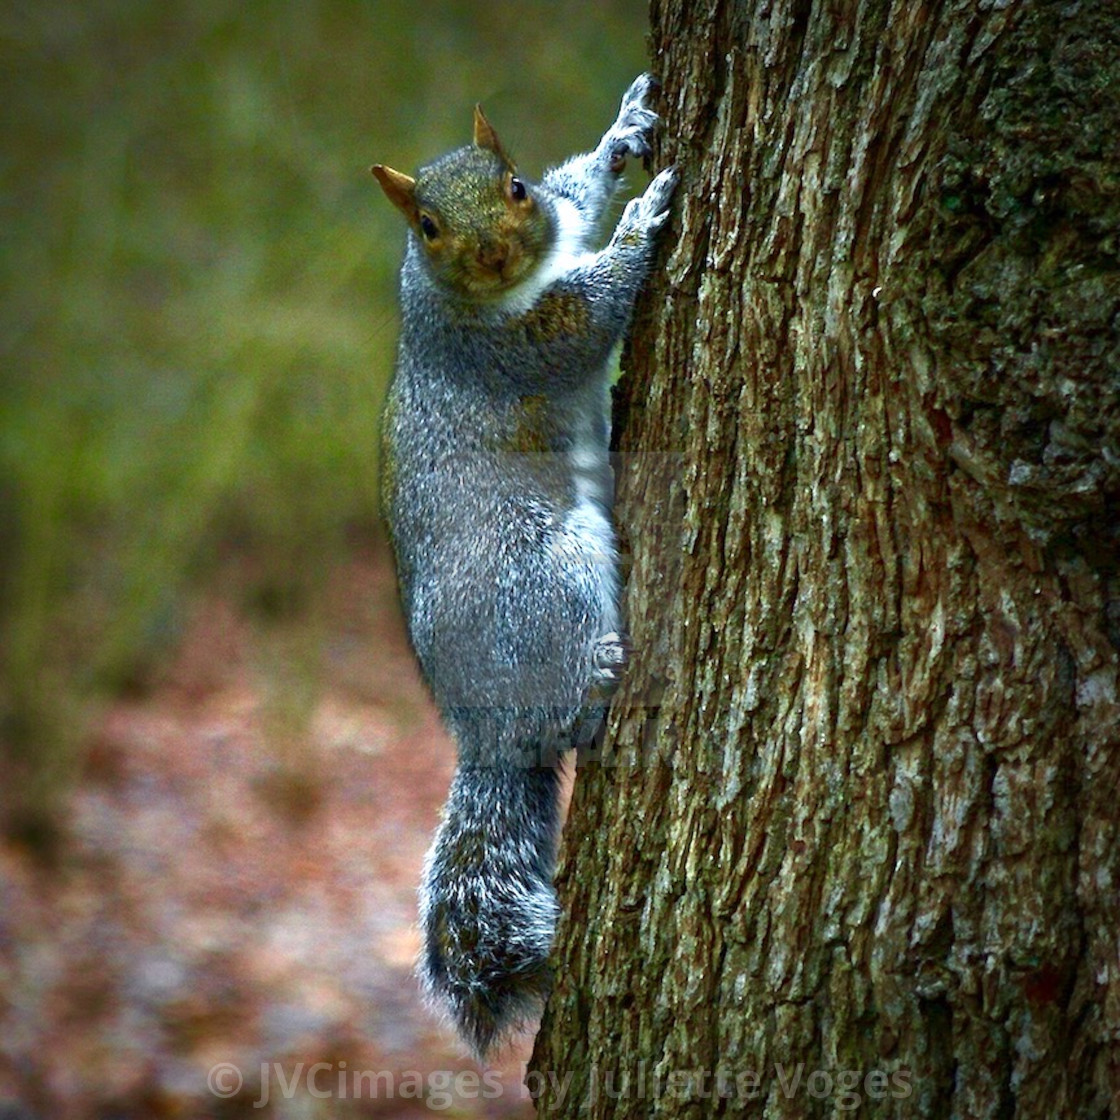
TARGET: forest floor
(229,927)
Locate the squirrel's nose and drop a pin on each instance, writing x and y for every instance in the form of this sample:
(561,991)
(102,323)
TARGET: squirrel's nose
(493,255)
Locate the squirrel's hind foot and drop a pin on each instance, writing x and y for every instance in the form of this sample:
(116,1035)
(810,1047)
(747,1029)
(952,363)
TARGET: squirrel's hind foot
(610,656)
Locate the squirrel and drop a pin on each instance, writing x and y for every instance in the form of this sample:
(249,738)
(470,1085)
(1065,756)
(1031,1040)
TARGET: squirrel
(497,488)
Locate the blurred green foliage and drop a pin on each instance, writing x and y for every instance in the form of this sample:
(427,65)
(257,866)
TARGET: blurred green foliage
(199,296)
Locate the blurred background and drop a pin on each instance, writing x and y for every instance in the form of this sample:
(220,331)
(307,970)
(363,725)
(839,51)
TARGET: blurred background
(218,770)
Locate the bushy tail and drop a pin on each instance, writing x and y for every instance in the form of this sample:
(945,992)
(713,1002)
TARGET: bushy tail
(487,906)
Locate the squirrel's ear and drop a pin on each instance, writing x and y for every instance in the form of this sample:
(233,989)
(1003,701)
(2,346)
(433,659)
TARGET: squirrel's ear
(399,189)
(486,137)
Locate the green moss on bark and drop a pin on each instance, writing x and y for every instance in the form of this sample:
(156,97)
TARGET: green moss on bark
(1024,285)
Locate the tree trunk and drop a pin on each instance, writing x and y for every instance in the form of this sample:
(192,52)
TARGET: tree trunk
(854,841)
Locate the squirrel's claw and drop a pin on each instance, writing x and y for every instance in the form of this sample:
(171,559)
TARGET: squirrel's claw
(633,129)
(650,210)
(640,88)
(659,194)
(609,656)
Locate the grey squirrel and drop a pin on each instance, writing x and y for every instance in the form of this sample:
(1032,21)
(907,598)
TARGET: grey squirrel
(497,486)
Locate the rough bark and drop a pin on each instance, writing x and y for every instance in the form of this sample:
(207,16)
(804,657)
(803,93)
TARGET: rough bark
(858,814)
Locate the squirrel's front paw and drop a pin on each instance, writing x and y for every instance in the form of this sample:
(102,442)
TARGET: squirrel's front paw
(631,132)
(650,210)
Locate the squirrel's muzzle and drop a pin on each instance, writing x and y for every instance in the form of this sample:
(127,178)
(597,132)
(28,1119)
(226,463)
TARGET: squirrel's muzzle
(493,255)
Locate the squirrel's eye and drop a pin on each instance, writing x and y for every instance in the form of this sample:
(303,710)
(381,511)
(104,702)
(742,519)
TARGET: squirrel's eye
(517,190)
(428,228)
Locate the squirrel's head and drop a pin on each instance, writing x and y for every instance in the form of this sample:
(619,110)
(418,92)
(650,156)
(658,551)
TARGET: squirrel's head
(479,226)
